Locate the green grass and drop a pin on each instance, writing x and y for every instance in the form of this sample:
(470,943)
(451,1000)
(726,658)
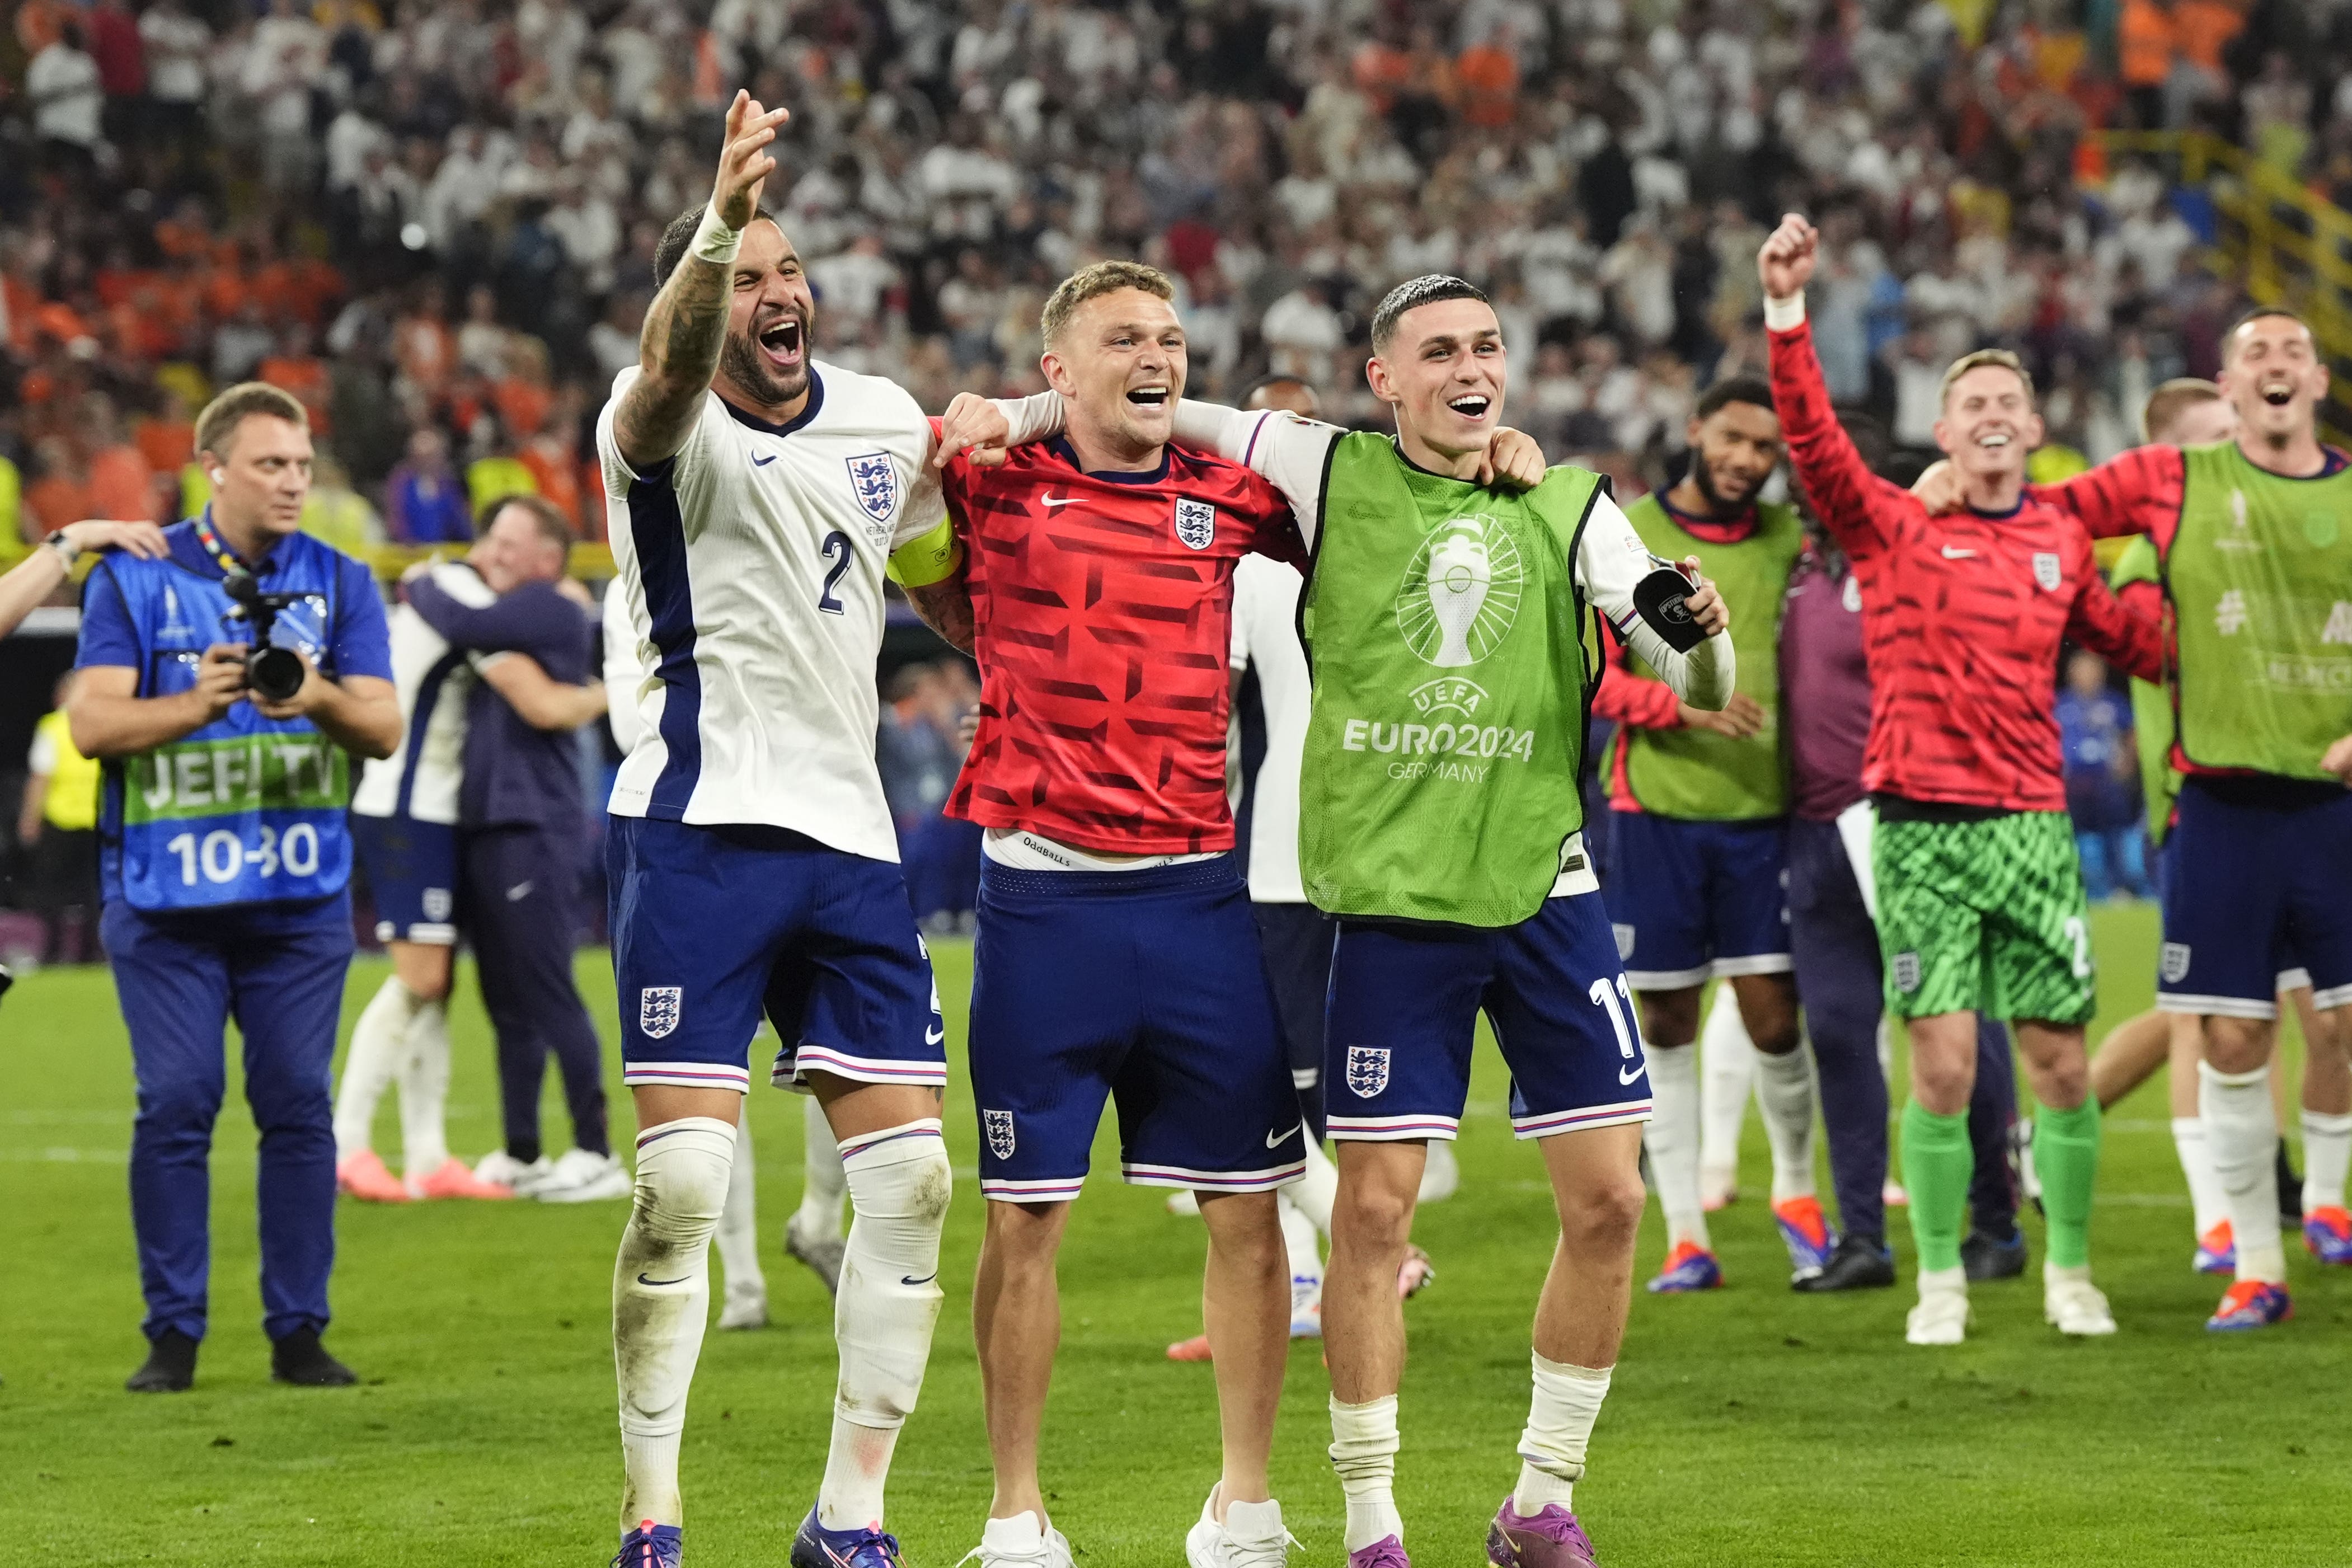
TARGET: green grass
(1751,1427)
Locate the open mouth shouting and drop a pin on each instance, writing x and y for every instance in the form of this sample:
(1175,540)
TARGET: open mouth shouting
(2278,391)
(782,341)
(1152,398)
(1471,404)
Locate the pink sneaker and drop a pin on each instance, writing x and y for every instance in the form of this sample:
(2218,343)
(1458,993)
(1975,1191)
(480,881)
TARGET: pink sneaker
(363,1176)
(1388,1551)
(1551,1539)
(451,1178)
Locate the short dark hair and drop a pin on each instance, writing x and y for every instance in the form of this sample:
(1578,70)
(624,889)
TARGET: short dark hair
(2261,312)
(679,237)
(554,527)
(1429,288)
(1737,389)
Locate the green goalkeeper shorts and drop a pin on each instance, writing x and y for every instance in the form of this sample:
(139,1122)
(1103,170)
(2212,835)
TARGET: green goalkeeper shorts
(1985,916)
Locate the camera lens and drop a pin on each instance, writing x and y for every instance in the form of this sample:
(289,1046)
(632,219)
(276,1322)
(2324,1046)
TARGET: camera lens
(275,674)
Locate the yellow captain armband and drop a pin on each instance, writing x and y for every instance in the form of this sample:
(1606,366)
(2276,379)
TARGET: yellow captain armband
(933,558)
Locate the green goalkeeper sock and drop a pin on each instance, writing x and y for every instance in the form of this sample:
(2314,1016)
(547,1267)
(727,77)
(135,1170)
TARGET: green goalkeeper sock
(1938,1165)
(2066,1158)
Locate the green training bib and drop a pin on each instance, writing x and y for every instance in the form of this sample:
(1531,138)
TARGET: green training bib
(2260,579)
(1698,773)
(1446,731)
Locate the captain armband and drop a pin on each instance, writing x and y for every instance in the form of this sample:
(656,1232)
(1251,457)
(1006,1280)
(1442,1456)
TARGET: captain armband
(933,558)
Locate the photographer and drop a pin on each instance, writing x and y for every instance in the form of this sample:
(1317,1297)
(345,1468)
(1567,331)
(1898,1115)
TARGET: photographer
(222,686)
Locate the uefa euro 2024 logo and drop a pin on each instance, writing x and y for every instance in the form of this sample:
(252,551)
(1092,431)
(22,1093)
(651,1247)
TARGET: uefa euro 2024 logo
(1462,591)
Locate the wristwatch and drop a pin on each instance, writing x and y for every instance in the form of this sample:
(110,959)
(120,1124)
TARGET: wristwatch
(68,550)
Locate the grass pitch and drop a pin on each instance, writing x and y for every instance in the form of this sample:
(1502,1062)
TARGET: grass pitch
(1749,1427)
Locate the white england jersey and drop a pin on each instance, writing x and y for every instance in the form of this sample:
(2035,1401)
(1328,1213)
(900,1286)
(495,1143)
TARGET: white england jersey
(433,681)
(752,563)
(1265,640)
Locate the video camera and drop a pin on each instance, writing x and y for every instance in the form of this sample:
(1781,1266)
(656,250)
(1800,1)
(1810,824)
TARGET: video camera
(274,673)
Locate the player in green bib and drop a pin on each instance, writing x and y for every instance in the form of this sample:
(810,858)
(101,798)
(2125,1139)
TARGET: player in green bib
(1700,801)
(2253,540)
(1439,819)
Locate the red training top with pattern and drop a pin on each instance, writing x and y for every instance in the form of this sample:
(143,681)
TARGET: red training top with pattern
(1103,608)
(1963,615)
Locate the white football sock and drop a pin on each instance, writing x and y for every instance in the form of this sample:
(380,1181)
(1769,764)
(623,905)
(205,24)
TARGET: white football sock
(2242,1134)
(739,1223)
(1784,1087)
(1364,1445)
(899,1183)
(1727,1063)
(379,1046)
(425,1091)
(1560,1424)
(2205,1205)
(2326,1151)
(661,1303)
(1313,1193)
(1299,1238)
(823,1184)
(1671,1136)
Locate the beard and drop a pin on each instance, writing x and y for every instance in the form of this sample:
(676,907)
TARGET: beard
(742,362)
(1703,475)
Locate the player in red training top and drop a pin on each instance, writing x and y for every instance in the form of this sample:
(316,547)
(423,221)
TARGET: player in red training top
(1117,955)
(1980,897)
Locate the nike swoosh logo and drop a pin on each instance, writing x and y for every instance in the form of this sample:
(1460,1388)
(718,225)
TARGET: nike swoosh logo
(1627,1075)
(933,1037)
(1274,1140)
(1952,555)
(679,1280)
(763,462)
(1064,501)
(911,1280)
(519,892)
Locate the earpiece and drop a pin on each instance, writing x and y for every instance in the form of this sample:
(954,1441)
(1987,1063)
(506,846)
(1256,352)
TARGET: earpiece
(220,476)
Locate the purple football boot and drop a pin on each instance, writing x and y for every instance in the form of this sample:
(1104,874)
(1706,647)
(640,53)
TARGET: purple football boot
(1551,1539)
(1388,1551)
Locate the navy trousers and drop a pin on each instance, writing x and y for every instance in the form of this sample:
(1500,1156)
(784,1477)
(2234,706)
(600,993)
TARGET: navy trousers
(278,969)
(519,904)
(1841,984)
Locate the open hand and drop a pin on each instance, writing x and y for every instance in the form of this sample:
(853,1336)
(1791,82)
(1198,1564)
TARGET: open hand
(1742,718)
(141,539)
(1786,263)
(742,162)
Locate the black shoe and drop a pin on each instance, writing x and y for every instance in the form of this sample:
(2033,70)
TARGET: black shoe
(1985,1256)
(1857,1264)
(300,1358)
(2290,1188)
(170,1368)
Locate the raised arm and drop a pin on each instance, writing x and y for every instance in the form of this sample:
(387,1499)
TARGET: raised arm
(34,578)
(1844,492)
(2138,491)
(518,620)
(1609,562)
(685,326)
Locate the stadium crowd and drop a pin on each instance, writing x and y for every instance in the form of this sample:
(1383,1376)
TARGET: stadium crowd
(434,223)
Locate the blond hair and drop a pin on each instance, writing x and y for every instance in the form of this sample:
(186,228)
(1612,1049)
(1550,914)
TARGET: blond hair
(2002,358)
(216,427)
(1092,283)
(2171,400)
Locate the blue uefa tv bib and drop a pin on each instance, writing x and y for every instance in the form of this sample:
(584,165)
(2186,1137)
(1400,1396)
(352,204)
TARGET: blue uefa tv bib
(248,809)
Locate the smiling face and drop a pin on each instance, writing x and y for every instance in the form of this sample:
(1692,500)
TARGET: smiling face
(515,550)
(765,361)
(1736,447)
(1442,373)
(1990,426)
(1119,361)
(2273,376)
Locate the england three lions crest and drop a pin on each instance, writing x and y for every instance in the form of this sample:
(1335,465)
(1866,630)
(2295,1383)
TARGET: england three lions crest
(1196,524)
(1368,1071)
(659,1007)
(874,478)
(998,1125)
(2048,571)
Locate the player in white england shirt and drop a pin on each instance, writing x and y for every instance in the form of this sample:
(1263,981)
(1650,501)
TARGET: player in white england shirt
(754,496)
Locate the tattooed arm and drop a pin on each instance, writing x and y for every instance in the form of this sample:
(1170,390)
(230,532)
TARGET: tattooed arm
(686,324)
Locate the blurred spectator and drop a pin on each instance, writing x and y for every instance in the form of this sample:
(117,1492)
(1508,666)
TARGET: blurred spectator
(918,750)
(57,824)
(336,513)
(425,501)
(61,84)
(2095,726)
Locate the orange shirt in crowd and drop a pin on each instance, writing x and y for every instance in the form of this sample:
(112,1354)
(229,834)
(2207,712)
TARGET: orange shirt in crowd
(2145,40)
(426,351)
(1488,78)
(549,462)
(39,24)
(305,376)
(2202,28)
(1380,72)
(165,442)
(117,487)
(522,404)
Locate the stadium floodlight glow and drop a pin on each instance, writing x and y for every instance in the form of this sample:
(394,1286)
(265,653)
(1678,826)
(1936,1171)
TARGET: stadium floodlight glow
(413,235)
